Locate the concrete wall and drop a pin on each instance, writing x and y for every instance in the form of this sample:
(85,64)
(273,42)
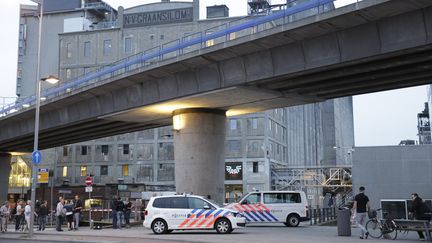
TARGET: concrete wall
(392,172)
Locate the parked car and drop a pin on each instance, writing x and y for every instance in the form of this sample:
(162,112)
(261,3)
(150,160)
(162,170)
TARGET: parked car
(189,212)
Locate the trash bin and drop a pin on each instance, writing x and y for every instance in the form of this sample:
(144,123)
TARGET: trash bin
(343,221)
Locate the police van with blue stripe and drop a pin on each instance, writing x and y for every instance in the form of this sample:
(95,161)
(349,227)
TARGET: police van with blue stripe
(288,207)
(189,212)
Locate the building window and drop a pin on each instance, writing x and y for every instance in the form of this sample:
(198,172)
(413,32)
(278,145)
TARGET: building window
(83,150)
(162,37)
(255,167)
(68,50)
(87,48)
(125,148)
(104,170)
(254,123)
(65,171)
(233,124)
(107,46)
(151,37)
(68,73)
(125,170)
(128,48)
(65,151)
(104,149)
(83,170)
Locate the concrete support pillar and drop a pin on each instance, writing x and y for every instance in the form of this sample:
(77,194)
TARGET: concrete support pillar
(5,167)
(199,152)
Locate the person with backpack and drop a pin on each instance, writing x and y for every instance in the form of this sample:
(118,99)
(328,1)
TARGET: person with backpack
(120,208)
(420,211)
(42,215)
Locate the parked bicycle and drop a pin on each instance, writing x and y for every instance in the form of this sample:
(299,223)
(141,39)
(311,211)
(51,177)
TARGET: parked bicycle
(378,228)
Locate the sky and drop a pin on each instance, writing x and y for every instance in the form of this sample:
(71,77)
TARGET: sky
(383,118)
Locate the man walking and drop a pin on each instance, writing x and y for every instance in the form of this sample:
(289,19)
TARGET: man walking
(114,212)
(4,216)
(360,208)
(27,213)
(43,212)
(77,211)
(59,214)
(420,211)
(19,215)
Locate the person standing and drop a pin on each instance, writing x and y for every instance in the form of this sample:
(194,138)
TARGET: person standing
(120,209)
(27,214)
(114,212)
(68,206)
(77,211)
(43,212)
(420,211)
(127,213)
(59,214)
(4,216)
(360,208)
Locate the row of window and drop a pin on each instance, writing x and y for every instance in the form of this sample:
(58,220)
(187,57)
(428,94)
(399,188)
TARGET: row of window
(128,46)
(271,198)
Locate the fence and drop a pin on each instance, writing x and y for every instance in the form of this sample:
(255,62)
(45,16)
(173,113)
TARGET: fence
(321,215)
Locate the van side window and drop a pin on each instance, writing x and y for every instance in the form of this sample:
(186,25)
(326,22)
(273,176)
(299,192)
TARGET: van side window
(161,202)
(282,198)
(179,202)
(253,199)
(195,203)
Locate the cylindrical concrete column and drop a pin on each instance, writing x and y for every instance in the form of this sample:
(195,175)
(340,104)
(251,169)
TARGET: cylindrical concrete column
(199,151)
(5,167)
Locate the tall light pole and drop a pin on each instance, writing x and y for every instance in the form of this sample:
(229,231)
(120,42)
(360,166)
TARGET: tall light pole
(49,79)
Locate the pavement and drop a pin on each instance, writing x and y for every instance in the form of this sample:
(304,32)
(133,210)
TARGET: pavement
(262,233)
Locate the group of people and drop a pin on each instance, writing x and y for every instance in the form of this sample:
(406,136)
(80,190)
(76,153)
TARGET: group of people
(419,210)
(119,211)
(69,209)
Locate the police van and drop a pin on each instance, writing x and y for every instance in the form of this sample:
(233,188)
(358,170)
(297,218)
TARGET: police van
(186,212)
(288,207)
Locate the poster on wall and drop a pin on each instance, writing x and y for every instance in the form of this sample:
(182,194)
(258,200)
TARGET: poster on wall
(234,171)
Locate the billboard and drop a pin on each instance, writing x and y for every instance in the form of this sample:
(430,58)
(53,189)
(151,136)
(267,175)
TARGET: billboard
(234,171)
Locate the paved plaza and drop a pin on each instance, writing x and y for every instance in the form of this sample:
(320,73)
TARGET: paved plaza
(262,233)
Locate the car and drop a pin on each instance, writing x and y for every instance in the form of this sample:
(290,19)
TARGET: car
(190,212)
(288,207)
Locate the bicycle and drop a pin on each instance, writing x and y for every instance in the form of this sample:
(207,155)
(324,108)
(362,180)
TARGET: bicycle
(386,228)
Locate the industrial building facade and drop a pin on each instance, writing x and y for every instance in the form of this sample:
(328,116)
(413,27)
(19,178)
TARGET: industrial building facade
(91,34)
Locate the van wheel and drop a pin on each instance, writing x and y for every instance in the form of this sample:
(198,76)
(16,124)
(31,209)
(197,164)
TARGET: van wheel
(293,220)
(159,226)
(223,226)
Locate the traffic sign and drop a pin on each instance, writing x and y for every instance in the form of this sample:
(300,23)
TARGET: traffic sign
(43,175)
(89,189)
(88,181)
(36,157)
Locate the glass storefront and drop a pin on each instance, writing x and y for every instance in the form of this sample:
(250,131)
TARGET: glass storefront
(233,193)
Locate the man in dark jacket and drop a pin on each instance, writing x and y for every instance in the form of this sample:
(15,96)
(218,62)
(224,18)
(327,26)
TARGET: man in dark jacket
(42,215)
(420,211)
(114,212)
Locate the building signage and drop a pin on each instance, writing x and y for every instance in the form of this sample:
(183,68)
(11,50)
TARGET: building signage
(43,176)
(158,17)
(233,171)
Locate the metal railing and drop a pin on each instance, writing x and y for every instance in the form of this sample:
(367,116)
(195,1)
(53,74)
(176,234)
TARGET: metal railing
(191,43)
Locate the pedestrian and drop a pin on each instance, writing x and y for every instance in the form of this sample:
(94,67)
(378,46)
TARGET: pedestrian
(43,212)
(4,216)
(77,211)
(27,215)
(59,214)
(420,211)
(68,207)
(360,208)
(120,208)
(127,213)
(19,216)
(114,212)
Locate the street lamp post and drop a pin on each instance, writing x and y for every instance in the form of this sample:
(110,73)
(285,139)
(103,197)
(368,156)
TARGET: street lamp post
(49,79)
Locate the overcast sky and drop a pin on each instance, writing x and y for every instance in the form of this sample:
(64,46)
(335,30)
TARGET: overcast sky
(382,118)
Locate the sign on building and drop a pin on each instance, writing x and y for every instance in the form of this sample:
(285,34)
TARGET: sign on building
(43,175)
(170,16)
(234,171)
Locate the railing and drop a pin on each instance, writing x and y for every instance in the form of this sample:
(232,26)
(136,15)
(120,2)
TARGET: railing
(193,42)
(321,215)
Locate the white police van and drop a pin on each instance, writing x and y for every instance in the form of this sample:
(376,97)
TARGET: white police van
(186,212)
(288,207)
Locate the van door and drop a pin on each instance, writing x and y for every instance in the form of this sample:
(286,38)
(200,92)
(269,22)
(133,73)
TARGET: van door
(201,216)
(251,208)
(178,211)
(282,204)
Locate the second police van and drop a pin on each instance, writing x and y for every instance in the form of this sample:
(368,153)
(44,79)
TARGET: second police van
(288,207)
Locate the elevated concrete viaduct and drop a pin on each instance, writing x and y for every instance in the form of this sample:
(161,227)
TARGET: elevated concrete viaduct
(366,47)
